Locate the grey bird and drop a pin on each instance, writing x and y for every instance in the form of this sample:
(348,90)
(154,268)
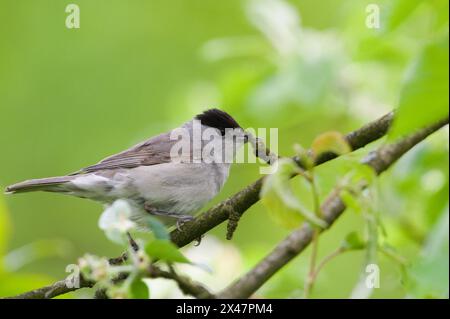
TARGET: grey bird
(152,176)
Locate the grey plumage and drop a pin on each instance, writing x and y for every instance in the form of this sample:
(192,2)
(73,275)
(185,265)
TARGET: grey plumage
(146,176)
(154,151)
(49,184)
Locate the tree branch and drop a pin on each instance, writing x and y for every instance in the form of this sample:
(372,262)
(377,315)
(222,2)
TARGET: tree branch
(186,285)
(332,208)
(237,204)
(58,288)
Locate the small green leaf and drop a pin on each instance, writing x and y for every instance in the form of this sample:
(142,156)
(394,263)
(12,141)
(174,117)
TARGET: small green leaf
(157,227)
(424,97)
(279,212)
(353,241)
(362,172)
(165,250)
(360,177)
(351,201)
(428,274)
(138,289)
(304,158)
(278,196)
(330,142)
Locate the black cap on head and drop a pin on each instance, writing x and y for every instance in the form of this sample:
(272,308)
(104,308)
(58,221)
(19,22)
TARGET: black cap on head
(217,119)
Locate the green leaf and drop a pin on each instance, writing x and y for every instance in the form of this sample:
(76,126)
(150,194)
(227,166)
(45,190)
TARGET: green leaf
(138,289)
(158,228)
(424,97)
(398,12)
(351,201)
(165,250)
(353,241)
(362,172)
(283,206)
(304,158)
(351,193)
(283,215)
(332,141)
(428,275)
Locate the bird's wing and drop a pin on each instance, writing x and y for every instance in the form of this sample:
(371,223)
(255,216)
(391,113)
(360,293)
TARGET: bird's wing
(154,151)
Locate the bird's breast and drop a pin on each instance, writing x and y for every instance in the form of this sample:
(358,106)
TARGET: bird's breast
(178,187)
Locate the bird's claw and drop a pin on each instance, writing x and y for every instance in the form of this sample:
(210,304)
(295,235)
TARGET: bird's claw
(182,220)
(198,240)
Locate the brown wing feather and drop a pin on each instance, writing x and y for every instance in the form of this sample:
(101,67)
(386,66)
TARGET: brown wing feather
(154,151)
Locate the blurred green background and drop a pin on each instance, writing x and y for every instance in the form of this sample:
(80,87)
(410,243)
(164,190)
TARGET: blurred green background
(70,97)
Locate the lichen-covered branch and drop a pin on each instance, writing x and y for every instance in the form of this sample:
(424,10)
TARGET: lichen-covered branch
(332,208)
(58,288)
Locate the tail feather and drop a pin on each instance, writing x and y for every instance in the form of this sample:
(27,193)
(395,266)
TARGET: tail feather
(50,184)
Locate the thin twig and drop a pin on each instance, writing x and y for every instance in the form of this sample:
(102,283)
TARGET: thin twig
(326,260)
(315,240)
(186,285)
(312,264)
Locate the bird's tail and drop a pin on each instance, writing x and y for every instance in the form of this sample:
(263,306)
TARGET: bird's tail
(50,184)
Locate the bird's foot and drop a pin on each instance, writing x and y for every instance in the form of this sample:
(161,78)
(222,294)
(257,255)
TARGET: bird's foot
(182,219)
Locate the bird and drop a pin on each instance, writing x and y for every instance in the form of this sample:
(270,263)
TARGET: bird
(152,176)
